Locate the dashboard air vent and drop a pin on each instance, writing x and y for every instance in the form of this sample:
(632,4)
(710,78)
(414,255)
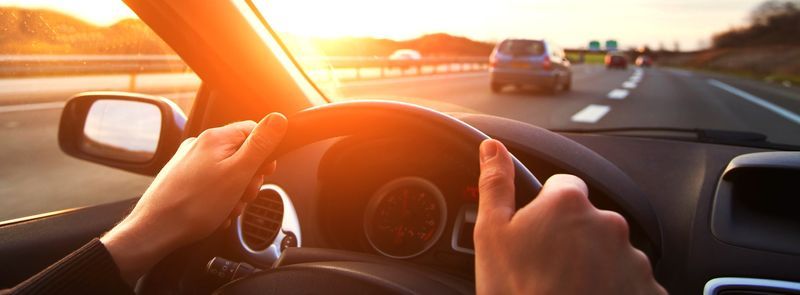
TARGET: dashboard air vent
(261,220)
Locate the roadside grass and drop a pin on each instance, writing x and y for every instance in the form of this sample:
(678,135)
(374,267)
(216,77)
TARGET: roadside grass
(588,58)
(777,64)
(784,80)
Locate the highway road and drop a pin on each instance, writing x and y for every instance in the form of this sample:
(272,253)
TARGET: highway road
(36,177)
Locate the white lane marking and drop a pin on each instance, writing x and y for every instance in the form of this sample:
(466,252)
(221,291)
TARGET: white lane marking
(618,94)
(32,107)
(591,113)
(376,82)
(757,100)
(60,104)
(629,84)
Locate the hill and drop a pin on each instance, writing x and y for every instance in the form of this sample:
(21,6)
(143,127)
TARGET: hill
(27,31)
(438,44)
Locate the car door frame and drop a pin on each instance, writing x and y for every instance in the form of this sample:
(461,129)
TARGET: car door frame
(246,74)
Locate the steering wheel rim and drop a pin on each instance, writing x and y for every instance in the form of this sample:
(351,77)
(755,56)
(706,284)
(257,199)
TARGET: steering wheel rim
(371,118)
(377,117)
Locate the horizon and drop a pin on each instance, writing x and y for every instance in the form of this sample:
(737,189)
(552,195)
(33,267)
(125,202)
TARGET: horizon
(654,23)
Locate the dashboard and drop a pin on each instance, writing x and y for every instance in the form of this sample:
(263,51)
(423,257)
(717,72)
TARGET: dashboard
(411,198)
(405,197)
(366,199)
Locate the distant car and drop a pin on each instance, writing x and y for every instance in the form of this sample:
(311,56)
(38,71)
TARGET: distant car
(523,62)
(644,61)
(405,59)
(405,54)
(616,60)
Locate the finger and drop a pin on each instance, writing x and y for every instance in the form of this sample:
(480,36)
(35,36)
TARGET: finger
(243,127)
(189,141)
(252,189)
(237,132)
(616,226)
(496,183)
(268,168)
(186,145)
(234,133)
(261,142)
(565,193)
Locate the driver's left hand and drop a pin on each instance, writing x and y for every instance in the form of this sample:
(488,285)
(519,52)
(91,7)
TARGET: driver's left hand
(207,182)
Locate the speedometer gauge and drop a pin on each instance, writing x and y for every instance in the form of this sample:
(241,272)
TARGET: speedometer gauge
(405,217)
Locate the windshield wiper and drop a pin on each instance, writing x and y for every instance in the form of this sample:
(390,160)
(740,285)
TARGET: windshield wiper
(742,138)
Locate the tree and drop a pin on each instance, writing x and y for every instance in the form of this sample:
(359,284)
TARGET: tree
(762,14)
(775,22)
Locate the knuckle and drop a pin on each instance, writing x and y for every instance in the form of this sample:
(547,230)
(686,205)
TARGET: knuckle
(641,262)
(189,141)
(492,178)
(261,144)
(571,197)
(480,231)
(210,135)
(484,230)
(659,289)
(616,224)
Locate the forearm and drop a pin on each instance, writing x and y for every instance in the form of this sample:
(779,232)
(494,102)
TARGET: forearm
(90,269)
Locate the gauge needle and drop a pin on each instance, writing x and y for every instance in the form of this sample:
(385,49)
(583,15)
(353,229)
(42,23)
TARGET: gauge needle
(405,203)
(428,235)
(398,234)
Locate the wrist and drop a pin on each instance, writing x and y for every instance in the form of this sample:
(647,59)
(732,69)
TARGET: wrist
(135,248)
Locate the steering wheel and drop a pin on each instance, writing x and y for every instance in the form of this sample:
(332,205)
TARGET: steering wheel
(304,271)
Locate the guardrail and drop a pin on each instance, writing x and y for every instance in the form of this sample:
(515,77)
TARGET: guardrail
(50,65)
(322,69)
(47,65)
(400,67)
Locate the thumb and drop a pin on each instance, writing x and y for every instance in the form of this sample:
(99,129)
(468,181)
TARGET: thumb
(262,141)
(496,184)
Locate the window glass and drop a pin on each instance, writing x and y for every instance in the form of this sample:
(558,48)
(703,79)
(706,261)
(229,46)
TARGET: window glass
(711,65)
(521,47)
(49,51)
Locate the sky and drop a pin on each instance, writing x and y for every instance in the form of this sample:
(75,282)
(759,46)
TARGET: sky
(571,23)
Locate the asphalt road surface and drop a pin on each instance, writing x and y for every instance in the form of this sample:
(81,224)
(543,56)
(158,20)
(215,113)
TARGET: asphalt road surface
(36,177)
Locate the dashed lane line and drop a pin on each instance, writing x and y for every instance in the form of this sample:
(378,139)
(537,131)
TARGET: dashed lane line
(618,94)
(629,84)
(591,113)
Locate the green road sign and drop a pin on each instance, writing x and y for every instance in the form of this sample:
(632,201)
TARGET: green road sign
(594,45)
(611,45)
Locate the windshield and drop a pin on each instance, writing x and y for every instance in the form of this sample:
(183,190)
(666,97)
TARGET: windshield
(521,47)
(577,64)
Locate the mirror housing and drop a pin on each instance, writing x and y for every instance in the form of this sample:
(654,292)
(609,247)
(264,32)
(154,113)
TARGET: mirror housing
(146,154)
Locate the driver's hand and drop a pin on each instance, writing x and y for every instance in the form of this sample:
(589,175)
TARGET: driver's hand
(207,182)
(557,244)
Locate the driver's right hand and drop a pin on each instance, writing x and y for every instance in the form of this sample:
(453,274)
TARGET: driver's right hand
(557,244)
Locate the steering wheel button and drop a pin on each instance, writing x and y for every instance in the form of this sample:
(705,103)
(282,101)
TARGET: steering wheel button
(290,240)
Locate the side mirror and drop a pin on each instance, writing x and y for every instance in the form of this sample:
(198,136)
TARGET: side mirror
(133,132)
